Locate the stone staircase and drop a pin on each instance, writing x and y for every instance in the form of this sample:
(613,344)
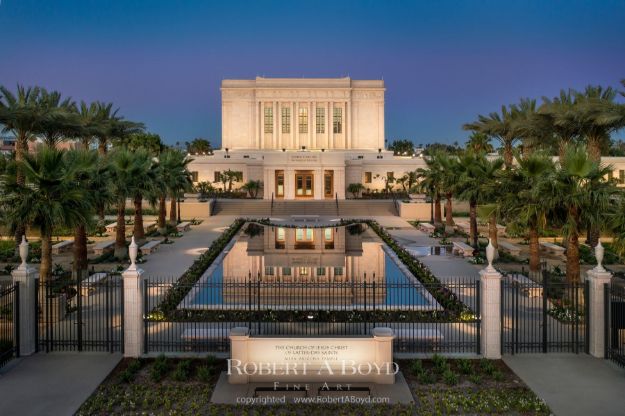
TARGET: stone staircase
(347,208)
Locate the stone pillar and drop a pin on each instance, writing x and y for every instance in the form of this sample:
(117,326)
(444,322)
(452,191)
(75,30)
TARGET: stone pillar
(315,144)
(133,306)
(490,308)
(330,126)
(348,126)
(384,354)
(279,144)
(24,276)
(597,279)
(239,337)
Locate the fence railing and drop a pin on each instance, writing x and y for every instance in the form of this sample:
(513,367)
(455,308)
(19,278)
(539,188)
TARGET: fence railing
(80,314)
(9,323)
(614,303)
(198,317)
(547,317)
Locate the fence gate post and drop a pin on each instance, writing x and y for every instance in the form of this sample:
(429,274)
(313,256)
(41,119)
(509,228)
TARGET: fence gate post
(490,307)
(597,279)
(24,276)
(133,306)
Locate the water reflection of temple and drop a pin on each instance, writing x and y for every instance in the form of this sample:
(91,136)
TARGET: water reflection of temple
(313,265)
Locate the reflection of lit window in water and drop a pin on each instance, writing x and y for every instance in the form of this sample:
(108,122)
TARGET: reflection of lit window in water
(280,237)
(328,238)
(303,271)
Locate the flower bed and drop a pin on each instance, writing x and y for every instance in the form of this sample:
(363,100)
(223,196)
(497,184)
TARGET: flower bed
(439,386)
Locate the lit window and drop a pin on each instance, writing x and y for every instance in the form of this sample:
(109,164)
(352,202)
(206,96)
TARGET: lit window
(327,234)
(303,271)
(338,120)
(268,271)
(286,271)
(303,120)
(321,271)
(194,176)
(368,177)
(338,271)
(217,177)
(321,120)
(621,176)
(280,234)
(304,234)
(279,183)
(286,120)
(268,120)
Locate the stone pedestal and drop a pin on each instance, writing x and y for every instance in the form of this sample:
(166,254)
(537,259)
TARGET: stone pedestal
(25,276)
(490,308)
(383,353)
(133,306)
(239,337)
(597,279)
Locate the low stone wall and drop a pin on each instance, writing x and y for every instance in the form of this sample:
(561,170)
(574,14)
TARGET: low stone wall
(415,211)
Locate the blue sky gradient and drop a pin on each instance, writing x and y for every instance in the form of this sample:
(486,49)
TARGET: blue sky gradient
(443,62)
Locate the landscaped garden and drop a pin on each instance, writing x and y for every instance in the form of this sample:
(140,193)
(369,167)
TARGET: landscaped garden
(439,386)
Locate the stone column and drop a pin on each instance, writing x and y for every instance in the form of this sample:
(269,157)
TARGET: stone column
(490,307)
(24,276)
(133,306)
(348,126)
(597,279)
(239,337)
(315,145)
(384,354)
(330,126)
(295,126)
(258,125)
(319,192)
(279,144)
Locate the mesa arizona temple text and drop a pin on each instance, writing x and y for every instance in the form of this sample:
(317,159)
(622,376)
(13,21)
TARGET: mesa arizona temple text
(309,138)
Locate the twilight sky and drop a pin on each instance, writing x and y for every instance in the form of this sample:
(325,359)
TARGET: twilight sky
(443,62)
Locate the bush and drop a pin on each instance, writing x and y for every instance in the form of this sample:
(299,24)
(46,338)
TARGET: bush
(440,363)
(130,372)
(475,378)
(182,371)
(416,366)
(498,375)
(426,377)
(465,366)
(159,368)
(450,378)
(205,373)
(487,367)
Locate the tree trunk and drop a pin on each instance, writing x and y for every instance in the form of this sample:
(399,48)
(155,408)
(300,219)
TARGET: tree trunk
(21,149)
(172,211)
(473,223)
(507,155)
(46,256)
(492,232)
(534,250)
(438,215)
(572,250)
(102,147)
(120,235)
(138,231)
(594,149)
(81,262)
(162,214)
(449,217)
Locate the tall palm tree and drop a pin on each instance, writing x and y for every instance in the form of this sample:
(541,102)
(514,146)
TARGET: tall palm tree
(479,142)
(533,129)
(21,115)
(173,178)
(560,118)
(523,203)
(501,128)
(113,126)
(145,186)
(448,165)
(430,182)
(124,168)
(49,198)
(578,189)
(91,175)
(60,120)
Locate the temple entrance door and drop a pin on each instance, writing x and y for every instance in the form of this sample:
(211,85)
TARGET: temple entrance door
(304,184)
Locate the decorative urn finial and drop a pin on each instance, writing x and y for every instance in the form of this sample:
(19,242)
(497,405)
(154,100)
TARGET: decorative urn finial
(490,255)
(132,252)
(599,250)
(23,252)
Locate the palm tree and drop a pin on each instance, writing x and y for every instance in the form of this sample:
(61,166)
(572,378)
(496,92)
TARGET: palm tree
(112,126)
(560,120)
(533,129)
(49,198)
(501,128)
(475,185)
(252,187)
(173,178)
(431,179)
(598,116)
(578,189)
(60,120)
(232,176)
(355,189)
(91,176)
(124,168)
(144,185)
(523,204)
(449,184)
(479,142)
(21,114)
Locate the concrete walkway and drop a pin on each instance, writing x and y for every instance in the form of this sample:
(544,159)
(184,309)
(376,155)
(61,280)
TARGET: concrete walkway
(52,384)
(171,260)
(573,384)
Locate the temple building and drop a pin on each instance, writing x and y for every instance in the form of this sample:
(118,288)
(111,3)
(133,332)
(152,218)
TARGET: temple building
(309,138)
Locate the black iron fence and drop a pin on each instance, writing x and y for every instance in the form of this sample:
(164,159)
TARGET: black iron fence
(615,323)
(543,317)
(9,323)
(80,314)
(438,317)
